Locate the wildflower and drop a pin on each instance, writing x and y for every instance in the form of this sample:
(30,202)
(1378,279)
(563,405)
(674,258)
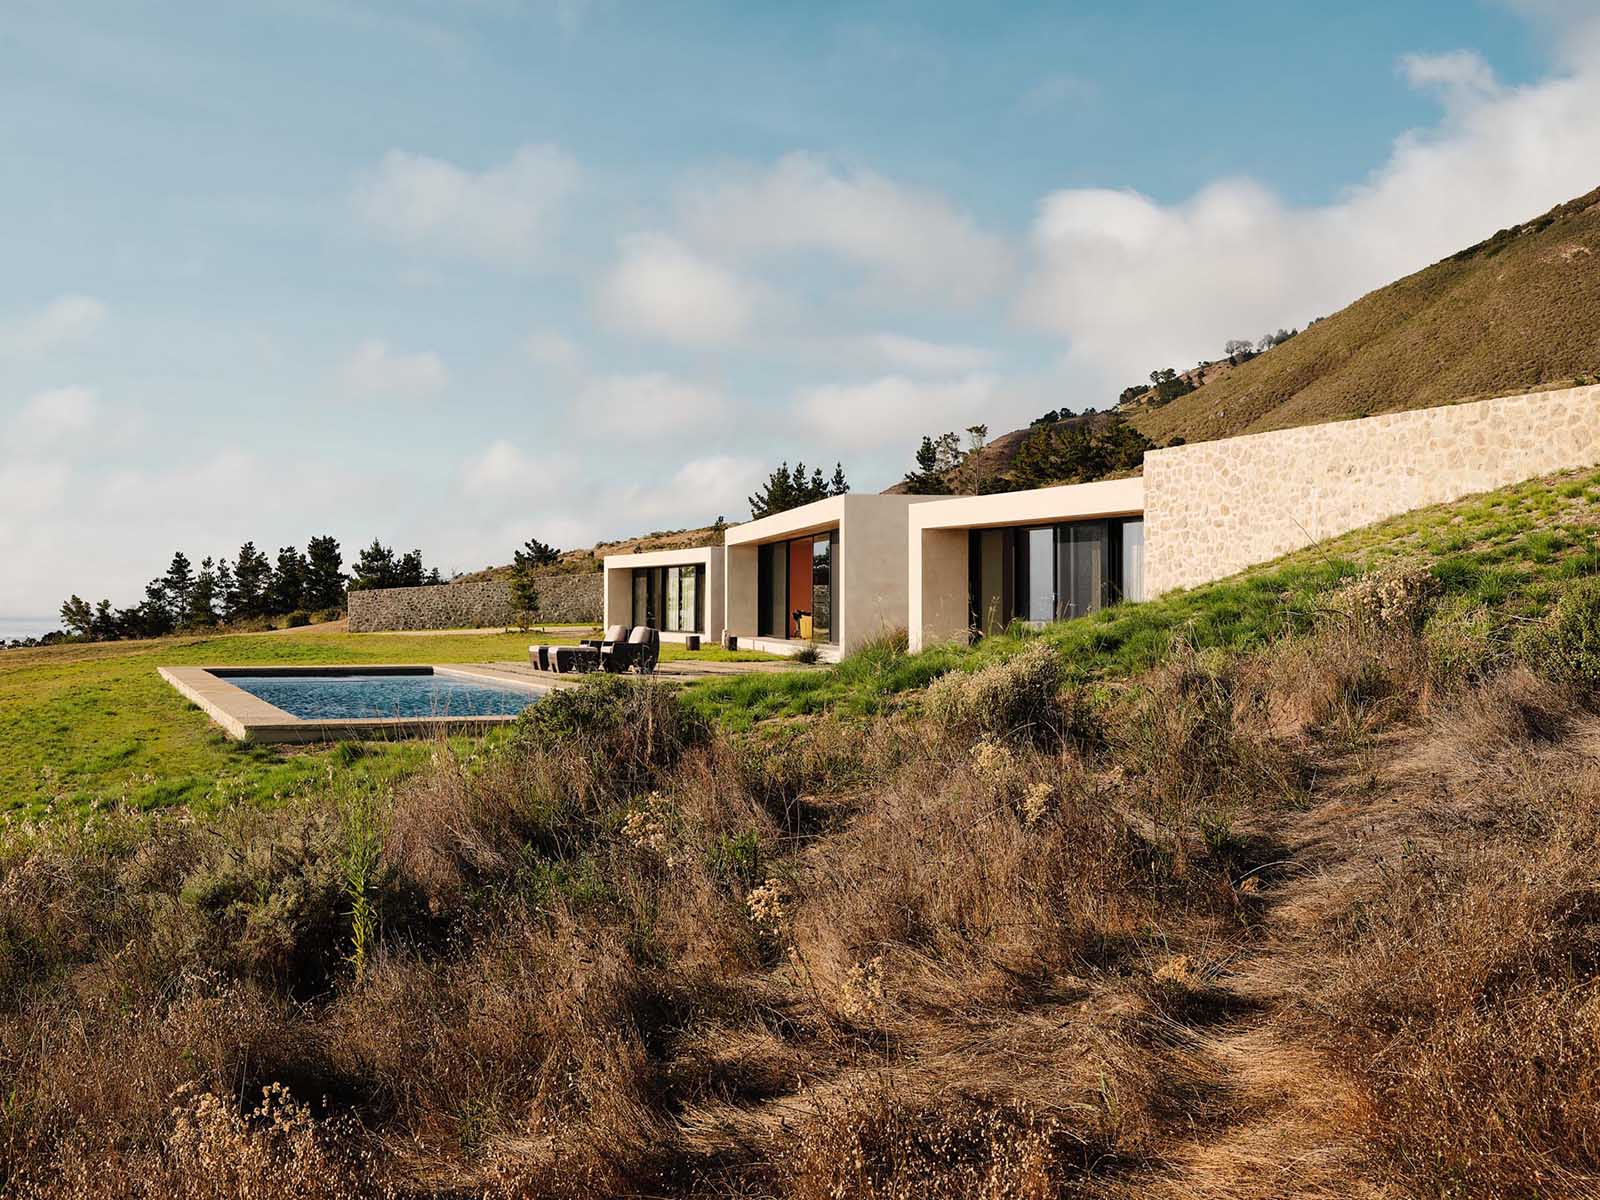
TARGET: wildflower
(766,904)
(861,996)
(1036,802)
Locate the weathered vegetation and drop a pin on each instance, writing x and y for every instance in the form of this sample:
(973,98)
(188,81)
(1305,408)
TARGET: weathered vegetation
(1303,912)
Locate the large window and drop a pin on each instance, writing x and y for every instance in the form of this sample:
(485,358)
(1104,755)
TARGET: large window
(1052,572)
(670,599)
(795,588)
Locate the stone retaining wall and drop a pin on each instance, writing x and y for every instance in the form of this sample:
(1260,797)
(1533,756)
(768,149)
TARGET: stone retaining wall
(563,599)
(1214,508)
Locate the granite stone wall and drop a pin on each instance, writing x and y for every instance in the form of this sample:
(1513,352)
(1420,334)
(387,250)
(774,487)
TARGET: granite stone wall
(1217,507)
(563,599)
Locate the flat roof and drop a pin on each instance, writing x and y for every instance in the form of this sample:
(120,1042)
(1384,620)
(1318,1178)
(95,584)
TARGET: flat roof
(823,514)
(661,558)
(1065,502)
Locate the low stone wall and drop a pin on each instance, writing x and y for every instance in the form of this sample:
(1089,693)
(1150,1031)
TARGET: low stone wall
(563,599)
(1214,508)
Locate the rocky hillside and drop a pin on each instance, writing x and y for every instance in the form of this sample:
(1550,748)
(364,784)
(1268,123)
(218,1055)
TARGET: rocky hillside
(1516,311)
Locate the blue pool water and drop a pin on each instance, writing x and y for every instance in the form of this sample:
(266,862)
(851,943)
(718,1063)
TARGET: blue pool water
(336,697)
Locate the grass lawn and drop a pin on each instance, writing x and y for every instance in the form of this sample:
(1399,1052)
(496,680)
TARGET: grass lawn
(1511,550)
(93,724)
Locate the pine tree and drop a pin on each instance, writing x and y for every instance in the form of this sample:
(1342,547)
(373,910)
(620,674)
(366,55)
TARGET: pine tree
(202,607)
(227,592)
(252,574)
(838,486)
(408,571)
(286,593)
(374,568)
(324,576)
(175,586)
(78,617)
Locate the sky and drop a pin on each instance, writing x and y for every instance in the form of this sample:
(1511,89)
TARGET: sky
(458,274)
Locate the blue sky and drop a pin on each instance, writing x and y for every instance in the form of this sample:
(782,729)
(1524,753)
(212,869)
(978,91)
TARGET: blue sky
(457,274)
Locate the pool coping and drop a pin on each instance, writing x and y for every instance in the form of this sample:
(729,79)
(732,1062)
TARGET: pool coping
(250,719)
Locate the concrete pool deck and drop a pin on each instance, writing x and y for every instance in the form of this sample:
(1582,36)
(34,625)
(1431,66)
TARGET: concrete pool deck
(250,719)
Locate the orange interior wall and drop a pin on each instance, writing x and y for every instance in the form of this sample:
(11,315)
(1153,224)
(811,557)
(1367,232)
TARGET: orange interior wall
(799,581)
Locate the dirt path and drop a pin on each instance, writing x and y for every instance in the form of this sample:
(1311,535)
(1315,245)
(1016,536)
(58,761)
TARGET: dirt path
(1284,1121)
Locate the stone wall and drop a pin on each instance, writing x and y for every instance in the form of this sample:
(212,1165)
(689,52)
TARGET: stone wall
(563,599)
(1217,507)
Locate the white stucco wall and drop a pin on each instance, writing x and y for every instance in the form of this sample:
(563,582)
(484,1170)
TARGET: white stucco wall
(937,543)
(1214,508)
(619,586)
(870,585)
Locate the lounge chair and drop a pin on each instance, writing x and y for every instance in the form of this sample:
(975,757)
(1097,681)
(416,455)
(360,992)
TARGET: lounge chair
(641,650)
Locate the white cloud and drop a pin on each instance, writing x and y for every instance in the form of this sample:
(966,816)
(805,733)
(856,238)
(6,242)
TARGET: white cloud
(915,354)
(1058,91)
(501,215)
(504,471)
(891,410)
(914,240)
(51,417)
(1461,76)
(64,320)
(1134,284)
(648,405)
(698,491)
(660,288)
(376,369)
(553,351)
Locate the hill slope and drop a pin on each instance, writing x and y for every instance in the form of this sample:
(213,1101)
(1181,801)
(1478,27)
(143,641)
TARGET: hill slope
(1515,311)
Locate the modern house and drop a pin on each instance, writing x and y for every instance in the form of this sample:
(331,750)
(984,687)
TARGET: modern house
(830,574)
(678,592)
(977,563)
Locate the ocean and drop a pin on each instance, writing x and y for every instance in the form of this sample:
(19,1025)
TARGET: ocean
(25,627)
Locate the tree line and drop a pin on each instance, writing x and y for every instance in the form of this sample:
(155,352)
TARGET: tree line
(252,587)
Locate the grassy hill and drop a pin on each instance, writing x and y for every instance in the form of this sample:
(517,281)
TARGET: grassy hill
(1516,311)
(1272,888)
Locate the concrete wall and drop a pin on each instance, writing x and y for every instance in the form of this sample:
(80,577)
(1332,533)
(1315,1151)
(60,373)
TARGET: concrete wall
(1214,508)
(937,543)
(618,592)
(564,599)
(870,590)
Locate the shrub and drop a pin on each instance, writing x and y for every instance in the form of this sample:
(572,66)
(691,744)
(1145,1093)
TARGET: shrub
(1393,596)
(1018,700)
(1459,637)
(297,619)
(808,654)
(1567,644)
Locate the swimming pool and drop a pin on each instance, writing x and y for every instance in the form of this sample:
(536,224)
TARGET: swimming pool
(357,696)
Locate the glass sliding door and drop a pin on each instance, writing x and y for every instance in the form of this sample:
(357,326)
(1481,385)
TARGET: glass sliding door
(1081,560)
(680,587)
(644,596)
(822,559)
(772,577)
(1036,554)
(1131,559)
(990,559)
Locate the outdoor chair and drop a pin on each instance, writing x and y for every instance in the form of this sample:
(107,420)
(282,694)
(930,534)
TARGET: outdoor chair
(539,657)
(615,635)
(642,650)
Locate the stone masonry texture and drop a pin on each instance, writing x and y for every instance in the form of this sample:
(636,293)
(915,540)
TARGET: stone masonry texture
(1214,508)
(563,599)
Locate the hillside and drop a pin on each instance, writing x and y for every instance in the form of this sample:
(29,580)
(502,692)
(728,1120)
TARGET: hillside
(582,561)
(1284,888)
(1517,310)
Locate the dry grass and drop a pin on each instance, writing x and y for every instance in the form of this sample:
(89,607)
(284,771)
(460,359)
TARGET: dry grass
(1503,318)
(1318,920)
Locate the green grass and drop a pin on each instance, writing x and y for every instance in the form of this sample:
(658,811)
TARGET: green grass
(1509,550)
(94,724)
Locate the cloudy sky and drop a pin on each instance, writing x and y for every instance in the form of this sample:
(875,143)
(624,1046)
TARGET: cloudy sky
(458,274)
